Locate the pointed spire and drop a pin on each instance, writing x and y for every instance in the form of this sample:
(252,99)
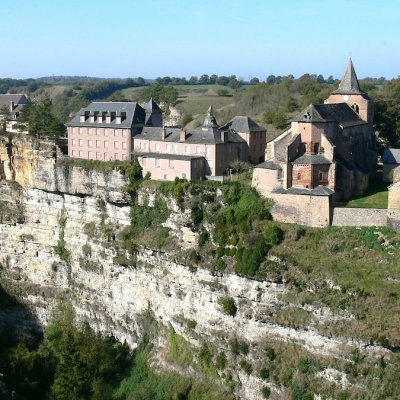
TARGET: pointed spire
(210,121)
(349,83)
(152,106)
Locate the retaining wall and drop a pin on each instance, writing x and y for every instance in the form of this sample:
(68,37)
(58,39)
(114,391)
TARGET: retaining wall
(359,216)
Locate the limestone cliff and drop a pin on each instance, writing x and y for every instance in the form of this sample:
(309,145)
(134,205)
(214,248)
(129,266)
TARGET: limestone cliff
(55,243)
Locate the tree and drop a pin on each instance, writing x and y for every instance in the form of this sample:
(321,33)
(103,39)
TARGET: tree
(254,81)
(39,120)
(5,115)
(204,79)
(222,80)
(271,79)
(193,80)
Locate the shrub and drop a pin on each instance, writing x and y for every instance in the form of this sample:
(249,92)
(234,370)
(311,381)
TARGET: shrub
(203,238)
(246,367)
(239,347)
(221,361)
(220,264)
(270,353)
(194,256)
(264,373)
(304,365)
(266,392)
(228,305)
(273,234)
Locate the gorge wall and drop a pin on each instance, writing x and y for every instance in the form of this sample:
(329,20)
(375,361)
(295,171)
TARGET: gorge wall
(58,228)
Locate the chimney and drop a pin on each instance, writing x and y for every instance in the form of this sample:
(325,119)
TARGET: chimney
(12,105)
(182,135)
(163,133)
(224,136)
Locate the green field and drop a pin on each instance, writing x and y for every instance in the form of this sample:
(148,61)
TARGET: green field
(376,196)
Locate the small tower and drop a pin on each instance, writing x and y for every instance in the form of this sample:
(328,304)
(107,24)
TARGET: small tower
(209,121)
(349,92)
(153,114)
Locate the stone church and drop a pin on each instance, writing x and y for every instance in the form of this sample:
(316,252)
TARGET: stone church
(327,154)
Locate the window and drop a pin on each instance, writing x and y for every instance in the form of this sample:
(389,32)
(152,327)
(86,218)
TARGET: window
(106,158)
(98,143)
(80,131)
(73,130)
(157,147)
(323,176)
(125,132)
(174,148)
(98,156)
(124,156)
(168,147)
(90,131)
(97,132)
(80,142)
(197,149)
(116,132)
(299,176)
(90,143)
(74,153)
(105,132)
(171,164)
(80,153)
(90,155)
(124,145)
(106,144)
(316,148)
(73,142)
(187,149)
(116,145)
(116,156)
(208,150)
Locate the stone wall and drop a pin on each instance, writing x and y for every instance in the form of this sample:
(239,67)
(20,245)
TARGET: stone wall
(359,217)
(301,209)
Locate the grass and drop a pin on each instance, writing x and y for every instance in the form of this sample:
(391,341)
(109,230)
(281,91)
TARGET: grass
(376,196)
(351,269)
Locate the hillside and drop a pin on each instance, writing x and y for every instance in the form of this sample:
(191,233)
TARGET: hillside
(200,277)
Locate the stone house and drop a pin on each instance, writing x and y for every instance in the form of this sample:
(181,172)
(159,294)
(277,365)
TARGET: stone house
(391,160)
(15,103)
(105,130)
(119,131)
(325,156)
(207,151)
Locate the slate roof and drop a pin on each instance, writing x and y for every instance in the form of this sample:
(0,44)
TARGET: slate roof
(152,106)
(268,165)
(135,114)
(349,83)
(317,191)
(391,156)
(16,98)
(311,159)
(200,136)
(169,156)
(242,124)
(210,121)
(341,113)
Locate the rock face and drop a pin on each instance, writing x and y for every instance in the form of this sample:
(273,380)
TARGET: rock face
(55,242)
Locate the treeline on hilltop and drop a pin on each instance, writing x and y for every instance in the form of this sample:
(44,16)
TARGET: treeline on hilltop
(272,102)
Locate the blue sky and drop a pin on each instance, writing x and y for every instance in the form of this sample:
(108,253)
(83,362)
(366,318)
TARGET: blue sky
(153,38)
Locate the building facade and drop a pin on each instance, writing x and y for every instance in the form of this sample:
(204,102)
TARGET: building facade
(15,104)
(329,149)
(105,130)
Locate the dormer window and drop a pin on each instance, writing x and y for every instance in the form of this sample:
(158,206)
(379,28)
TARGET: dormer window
(123,116)
(113,115)
(307,115)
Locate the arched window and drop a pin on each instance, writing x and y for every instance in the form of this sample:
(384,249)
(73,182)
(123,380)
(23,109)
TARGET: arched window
(316,148)
(299,176)
(355,108)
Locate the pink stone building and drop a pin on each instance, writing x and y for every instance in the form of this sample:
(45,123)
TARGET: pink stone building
(329,149)
(167,153)
(121,131)
(15,104)
(105,130)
